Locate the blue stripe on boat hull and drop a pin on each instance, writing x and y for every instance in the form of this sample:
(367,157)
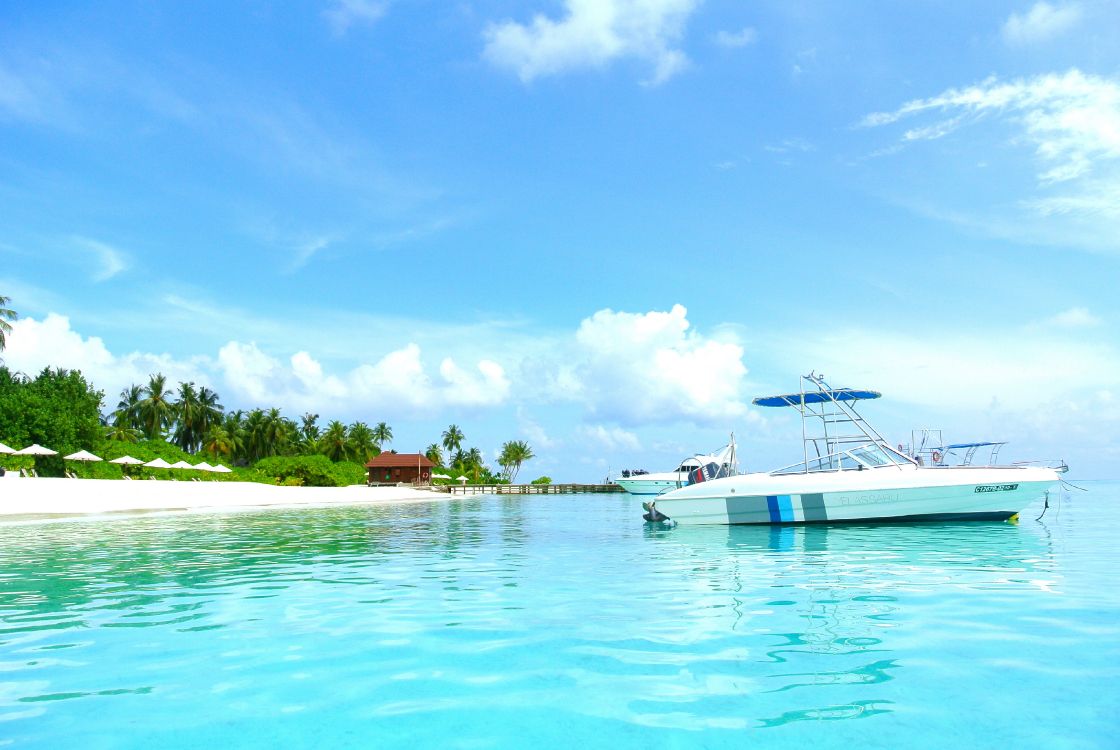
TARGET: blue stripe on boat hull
(775,511)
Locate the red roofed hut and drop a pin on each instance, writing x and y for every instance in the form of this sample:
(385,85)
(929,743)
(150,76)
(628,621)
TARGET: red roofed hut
(399,468)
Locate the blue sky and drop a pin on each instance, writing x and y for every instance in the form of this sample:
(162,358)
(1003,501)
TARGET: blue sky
(601,226)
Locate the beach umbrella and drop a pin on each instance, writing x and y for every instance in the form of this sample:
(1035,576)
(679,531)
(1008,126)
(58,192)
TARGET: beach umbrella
(5,449)
(158,463)
(126,461)
(35,450)
(203,466)
(461,478)
(221,469)
(82,456)
(181,465)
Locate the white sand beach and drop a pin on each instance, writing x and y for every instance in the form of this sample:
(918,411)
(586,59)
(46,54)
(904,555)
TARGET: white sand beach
(29,497)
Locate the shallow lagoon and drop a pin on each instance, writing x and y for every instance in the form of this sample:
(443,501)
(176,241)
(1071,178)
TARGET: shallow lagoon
(500,622)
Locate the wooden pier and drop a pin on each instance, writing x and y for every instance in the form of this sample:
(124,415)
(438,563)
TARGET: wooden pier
(527,489)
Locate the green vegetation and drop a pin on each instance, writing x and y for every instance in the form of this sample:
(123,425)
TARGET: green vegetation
(58,409)
(310,471)
(542,480)
(61,410)
(514,453)
(6,315)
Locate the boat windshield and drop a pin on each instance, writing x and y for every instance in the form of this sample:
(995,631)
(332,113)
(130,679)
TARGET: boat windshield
(869,456)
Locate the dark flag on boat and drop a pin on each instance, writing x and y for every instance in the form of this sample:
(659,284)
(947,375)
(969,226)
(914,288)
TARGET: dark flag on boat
(703,473)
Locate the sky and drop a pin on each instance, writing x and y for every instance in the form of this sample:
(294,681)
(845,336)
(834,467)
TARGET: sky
(600,226)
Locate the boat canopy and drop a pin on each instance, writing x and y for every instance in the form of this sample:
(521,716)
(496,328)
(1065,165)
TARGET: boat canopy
(817,397)
(834,436)
(960,446)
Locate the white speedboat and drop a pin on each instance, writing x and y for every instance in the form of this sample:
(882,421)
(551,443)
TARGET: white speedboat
(643,483)
(850,473)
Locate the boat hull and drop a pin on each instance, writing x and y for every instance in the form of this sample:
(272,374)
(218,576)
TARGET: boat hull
(881,495)
(652,484)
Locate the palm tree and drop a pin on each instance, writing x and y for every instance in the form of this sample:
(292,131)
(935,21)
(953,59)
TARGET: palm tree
(155,409)
(5,316)
(309,432)
(473,461)
(280,434)
(122,433)
(234,426)
(434,454)
(209,412)
(333,442)
(254,436)
(218,441)
(361,442)
(128,408)
(382,435)
(186,418)
(514,453)
(452,439)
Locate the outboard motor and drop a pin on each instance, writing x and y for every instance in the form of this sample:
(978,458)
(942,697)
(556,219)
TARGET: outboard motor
(652,514)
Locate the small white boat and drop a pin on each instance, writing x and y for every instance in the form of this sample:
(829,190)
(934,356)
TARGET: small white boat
(850,473)
(643,483)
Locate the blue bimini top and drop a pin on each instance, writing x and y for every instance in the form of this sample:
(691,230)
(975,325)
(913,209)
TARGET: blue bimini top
(816,397)
(956,446)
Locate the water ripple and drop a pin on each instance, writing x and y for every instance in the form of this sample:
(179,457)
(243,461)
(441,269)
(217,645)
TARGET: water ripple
(498,621)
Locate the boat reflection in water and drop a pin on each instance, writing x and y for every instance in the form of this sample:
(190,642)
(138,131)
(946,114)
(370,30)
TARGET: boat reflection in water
(845,613)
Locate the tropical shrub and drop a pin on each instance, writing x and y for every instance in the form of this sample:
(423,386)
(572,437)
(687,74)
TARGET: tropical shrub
(310,471)
(57,409)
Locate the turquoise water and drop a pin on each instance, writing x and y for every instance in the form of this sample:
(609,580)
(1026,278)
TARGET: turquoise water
(561,621)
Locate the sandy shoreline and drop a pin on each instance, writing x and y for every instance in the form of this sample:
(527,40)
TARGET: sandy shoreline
(28,498)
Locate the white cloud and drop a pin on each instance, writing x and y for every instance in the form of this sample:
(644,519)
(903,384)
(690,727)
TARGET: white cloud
(488,387)
(538,438)
(345,13)
(1073,119)
(790,144)
(592,34)
(1042,22)
(110,260)
(611,438)
(1075,317)
(736,39)
(961,370)
(641,368)
(1073,122)
(397,384)
(306,250)
(1098,199)
(50,342)
(18,97)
